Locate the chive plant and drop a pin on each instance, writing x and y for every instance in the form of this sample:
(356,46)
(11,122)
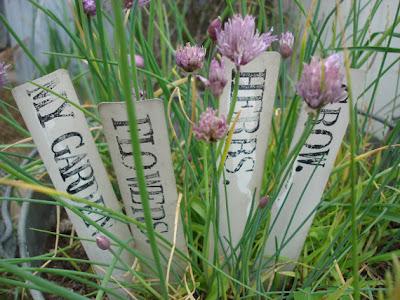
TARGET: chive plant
(354,239)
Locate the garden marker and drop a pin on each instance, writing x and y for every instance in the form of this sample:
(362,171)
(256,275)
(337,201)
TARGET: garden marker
(244,165)
(159,173)
(293,210)
(70,156)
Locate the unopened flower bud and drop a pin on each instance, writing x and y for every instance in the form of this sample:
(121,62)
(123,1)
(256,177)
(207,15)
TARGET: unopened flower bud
(286,44)
(214,28)
(263,202)
(139,61)
(216,77)
(103,242)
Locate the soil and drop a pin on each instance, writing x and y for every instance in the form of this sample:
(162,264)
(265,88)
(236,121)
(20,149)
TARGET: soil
(76,252)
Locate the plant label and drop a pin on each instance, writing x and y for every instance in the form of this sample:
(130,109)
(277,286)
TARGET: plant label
(159,173)
(70,156)
(244,164)
(294,209)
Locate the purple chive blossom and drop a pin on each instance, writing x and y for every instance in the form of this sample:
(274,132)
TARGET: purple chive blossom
(190,58)
(270,37)
(286,44)
(139,61)
(216,77)
(214,28)
(240,41)
(89,7)
(103,242)
(129,3)
(210,127)
(3,74)
(321,81)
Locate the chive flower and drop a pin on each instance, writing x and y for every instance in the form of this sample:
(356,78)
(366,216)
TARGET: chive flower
(322,81)
(210,127)
(190,58)
(89,7)
(241,42)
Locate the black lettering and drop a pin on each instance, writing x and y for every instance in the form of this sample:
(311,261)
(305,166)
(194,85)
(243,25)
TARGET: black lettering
(66,150)
(324,116)
(43,119)
(242,143)
(41,93)
(156,226)
(240,164)
(314,159)
(154,188)
(88,180)
(320,132)
(246,122)
(144,136)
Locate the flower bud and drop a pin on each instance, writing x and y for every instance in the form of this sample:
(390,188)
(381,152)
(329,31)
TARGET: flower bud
(216,77)
(214,28)
(286,44)
(103,242)
(263,202)
(89,7)
(139,61)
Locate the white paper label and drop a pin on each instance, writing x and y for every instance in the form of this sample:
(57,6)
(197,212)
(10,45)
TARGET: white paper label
(294,209)
(245,161)
(69,154)
(159,172)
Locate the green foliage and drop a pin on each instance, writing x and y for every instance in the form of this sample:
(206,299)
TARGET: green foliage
(355,232)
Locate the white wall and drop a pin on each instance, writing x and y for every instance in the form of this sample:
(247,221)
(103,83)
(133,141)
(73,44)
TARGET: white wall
(387,102)
(32,26)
